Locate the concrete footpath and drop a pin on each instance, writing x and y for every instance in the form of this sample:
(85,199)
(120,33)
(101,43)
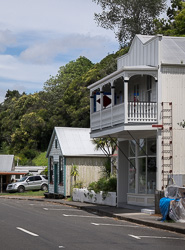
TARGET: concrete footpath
(127,213)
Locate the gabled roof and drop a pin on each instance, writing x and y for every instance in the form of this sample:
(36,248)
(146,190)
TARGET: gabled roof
(145,49)
(74,142)
(144,38)
(6,163)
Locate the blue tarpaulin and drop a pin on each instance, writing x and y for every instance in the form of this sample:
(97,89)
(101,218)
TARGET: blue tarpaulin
(164,205)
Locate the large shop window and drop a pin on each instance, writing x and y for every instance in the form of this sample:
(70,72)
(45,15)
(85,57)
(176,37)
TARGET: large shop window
(142,167)
(132,176)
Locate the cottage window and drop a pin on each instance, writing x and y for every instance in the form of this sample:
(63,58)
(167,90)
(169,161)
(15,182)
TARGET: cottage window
(56,143)
(51,170)
(61,170)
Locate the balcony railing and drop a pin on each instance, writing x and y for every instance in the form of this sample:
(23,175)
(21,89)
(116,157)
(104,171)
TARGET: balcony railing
(137,112)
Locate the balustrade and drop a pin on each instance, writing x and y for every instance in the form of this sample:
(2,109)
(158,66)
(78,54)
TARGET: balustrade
(138,112)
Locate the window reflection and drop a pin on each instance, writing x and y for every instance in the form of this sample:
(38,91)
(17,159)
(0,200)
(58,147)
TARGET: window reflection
(132,176)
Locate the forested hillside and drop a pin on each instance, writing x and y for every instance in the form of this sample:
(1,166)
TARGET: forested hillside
(27,120)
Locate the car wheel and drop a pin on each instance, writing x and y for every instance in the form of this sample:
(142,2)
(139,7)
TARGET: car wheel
(21,189)
(44,187)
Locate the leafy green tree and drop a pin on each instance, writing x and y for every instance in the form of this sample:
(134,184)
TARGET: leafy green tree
(68,94)
(174,25)
(129,17)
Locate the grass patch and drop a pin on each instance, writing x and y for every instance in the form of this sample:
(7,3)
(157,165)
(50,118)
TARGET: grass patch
(26,193)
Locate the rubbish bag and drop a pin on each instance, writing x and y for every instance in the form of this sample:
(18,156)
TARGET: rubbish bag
(177,210)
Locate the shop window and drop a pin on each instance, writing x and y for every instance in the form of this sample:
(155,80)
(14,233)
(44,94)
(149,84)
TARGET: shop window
(142,175)
(142,147)
(151,147)
(132,176)
(151,175)
(132,148)
(142,167)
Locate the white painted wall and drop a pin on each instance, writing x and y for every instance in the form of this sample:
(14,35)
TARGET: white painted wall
(173,90)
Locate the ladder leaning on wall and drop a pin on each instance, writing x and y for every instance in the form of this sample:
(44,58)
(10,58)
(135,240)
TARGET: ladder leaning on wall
(167,144)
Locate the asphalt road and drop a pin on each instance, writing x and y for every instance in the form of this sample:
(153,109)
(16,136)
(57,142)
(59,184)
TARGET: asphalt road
(33,225)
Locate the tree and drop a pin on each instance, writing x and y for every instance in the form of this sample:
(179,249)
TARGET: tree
(69,97)
(108,147)
(129,17)
(174,24)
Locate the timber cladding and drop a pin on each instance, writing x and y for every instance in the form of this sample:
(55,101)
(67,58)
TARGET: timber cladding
(89,170)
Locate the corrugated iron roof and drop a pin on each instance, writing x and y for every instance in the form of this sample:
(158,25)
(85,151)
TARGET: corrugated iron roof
(6,163)
(76,142)
(173,50)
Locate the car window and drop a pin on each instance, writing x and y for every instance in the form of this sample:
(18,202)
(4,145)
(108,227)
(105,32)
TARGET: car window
(31,178)
(38,178)
(22,179)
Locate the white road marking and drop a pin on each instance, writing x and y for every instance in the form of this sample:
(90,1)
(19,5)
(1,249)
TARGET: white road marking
(83,216)
(136,237)
(26,231)
(61,247)
(113,225)
(155,237)
(58,209)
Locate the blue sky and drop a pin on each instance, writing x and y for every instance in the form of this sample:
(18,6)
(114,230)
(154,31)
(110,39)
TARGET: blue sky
(39,36)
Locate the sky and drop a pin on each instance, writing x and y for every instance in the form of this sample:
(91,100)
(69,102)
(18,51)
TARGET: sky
(39,36)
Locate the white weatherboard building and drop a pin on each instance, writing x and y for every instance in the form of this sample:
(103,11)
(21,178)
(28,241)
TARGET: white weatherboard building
(141,104)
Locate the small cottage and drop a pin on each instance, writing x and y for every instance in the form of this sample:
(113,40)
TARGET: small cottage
(72,148)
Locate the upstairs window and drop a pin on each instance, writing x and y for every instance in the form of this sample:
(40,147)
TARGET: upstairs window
(56,143)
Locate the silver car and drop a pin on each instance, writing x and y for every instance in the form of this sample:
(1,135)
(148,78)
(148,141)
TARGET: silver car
(38,182)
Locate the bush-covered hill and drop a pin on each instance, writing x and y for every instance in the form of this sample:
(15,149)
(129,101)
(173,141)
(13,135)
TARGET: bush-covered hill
(27,120)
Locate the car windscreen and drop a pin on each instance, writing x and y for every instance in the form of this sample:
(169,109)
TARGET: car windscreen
(22,179)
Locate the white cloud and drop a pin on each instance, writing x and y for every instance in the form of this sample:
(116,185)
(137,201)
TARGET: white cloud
(66,16)
(71,45)
(12,68)
(6,39)
(39,36)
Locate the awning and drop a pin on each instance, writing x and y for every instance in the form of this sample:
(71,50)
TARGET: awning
(13,173)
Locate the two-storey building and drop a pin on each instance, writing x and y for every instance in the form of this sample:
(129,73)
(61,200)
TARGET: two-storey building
(141,104)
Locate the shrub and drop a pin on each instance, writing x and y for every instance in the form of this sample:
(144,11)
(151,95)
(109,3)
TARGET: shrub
(104,184)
